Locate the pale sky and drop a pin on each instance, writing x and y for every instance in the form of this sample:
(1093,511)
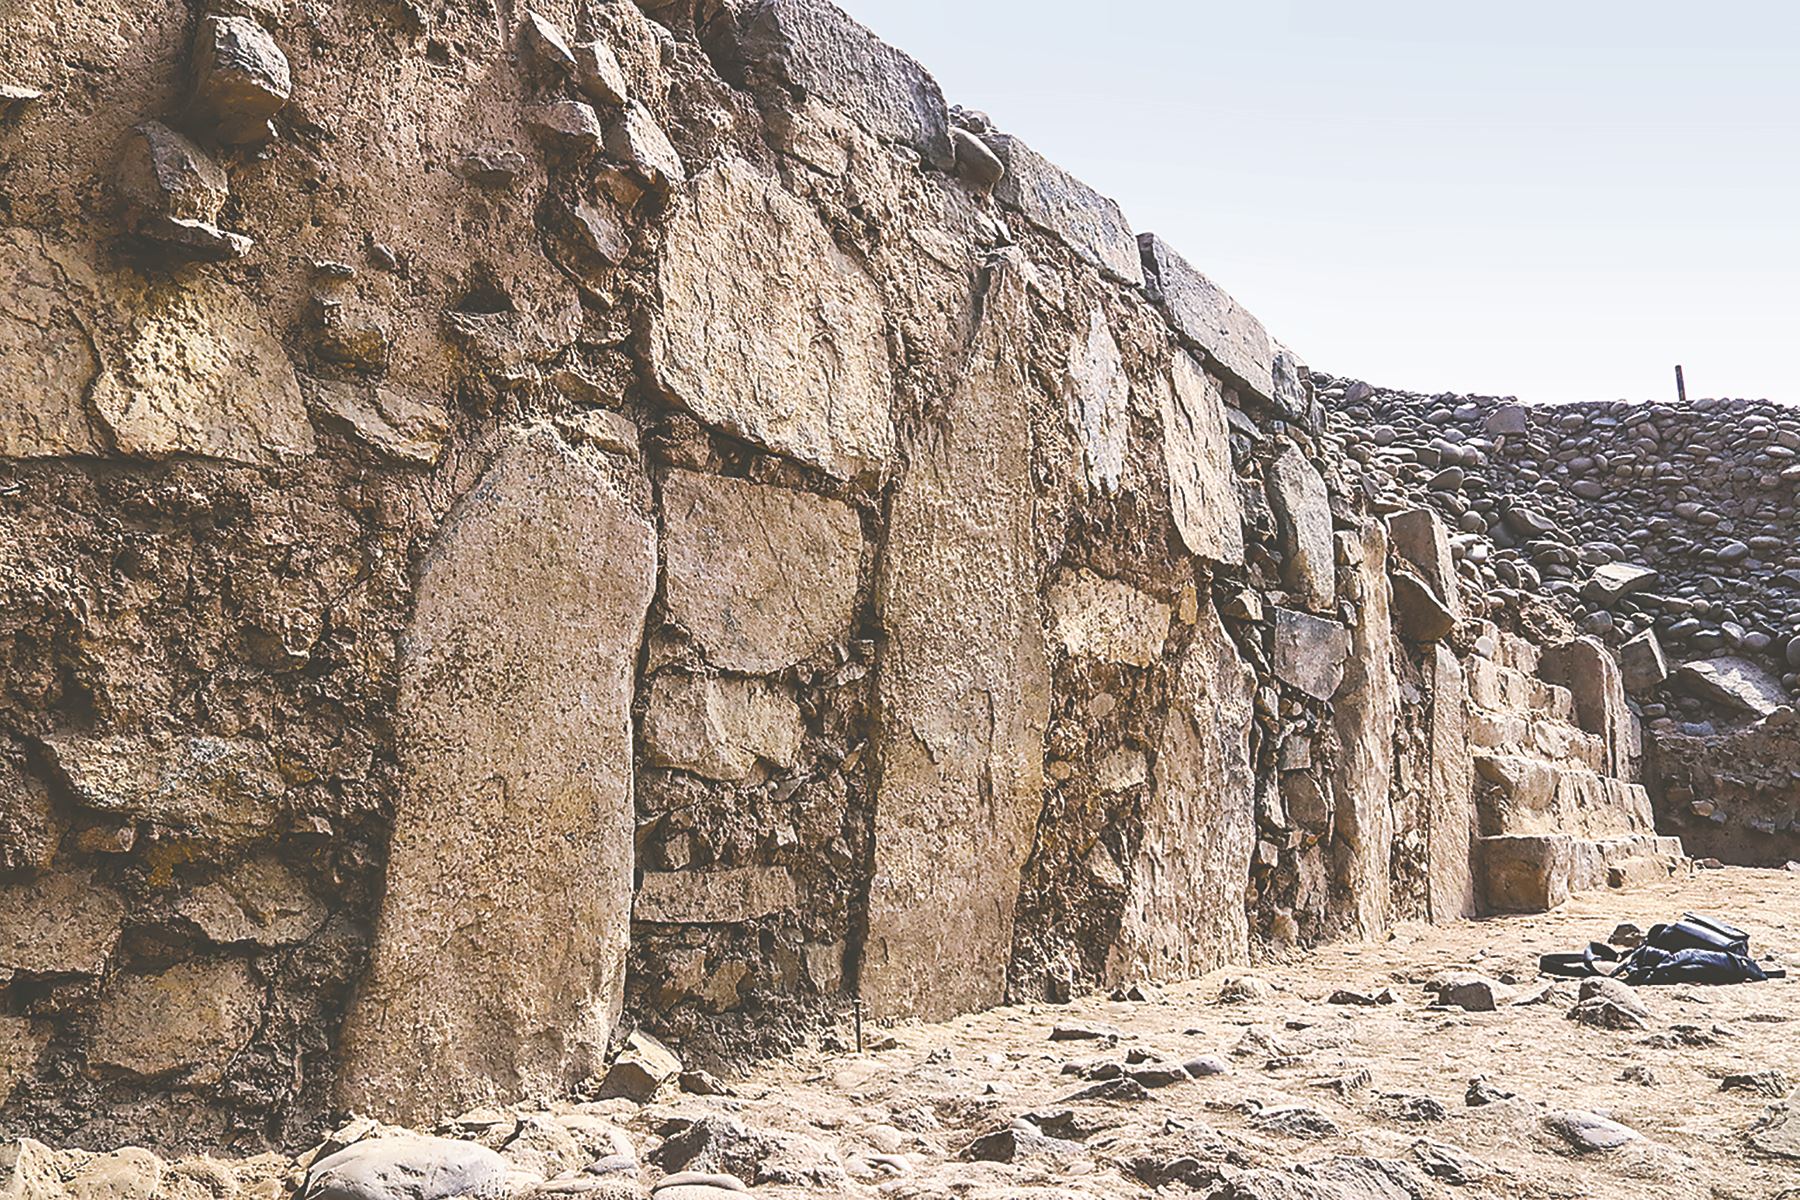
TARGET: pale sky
(1557,201)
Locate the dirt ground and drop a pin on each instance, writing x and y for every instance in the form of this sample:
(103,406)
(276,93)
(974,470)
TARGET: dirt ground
(923,1100)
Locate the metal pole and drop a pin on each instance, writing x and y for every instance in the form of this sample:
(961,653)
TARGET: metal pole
(1680,385)
(856,1010)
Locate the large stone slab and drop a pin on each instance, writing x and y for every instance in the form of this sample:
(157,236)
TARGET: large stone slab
(1612,582)
(1203,492)
(962,688)
(1099,396)
(1095,617)
(761,576)
(813,47)
(1300,500)
(1184,908)
(1363,711)
(191,1019)
(1419,537)
(1310,652)
(769,331)
(59,924)
(1450,798)
(1733,682)
(1203,313)
(720,727)
(47,360)
(1060,204)
(223,790)
(499,958)
(718,896)
(197,371)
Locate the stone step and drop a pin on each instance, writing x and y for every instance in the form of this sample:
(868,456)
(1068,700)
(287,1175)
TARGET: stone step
(1536,736)
(1503,689)
(1525,794)
(1537,872)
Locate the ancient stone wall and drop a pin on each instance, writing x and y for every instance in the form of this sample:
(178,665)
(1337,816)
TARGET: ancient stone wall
(520,527)
(1668,532)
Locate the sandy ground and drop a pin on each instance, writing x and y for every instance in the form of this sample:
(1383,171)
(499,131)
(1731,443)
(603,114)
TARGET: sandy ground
(923,1100)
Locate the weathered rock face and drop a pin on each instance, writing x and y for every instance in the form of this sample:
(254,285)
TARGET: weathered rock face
(761,577)
(650,526)
(1184,911)
(767,329)
(962,688)
(1364,713)
(514,730)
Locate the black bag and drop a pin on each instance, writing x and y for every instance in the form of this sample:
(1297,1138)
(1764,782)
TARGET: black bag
(1695,949)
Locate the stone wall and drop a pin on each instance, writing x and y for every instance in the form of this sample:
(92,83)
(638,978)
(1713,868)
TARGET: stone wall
(645,517)
(1667,532)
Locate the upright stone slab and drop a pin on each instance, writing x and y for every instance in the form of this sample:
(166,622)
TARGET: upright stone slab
(1184,904)
(499,961)
(769,331)
(1419,538)
(1202,312)
(1450,830)
(1203,493)
(760,576)
(1055,201)
(813,47)
(962,689)
(1099,396)
(1588,670)
(1363,711)
(1300,500)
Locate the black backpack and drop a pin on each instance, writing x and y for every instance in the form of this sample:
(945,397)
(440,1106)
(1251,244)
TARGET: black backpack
(1694,949)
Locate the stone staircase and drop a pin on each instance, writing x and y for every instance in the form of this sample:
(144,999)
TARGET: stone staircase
(1557,809)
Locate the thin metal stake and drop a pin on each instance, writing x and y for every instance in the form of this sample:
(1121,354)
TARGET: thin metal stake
(1680,385)
(856,1011)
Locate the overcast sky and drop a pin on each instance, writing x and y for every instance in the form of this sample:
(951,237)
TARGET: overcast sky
(1557,201)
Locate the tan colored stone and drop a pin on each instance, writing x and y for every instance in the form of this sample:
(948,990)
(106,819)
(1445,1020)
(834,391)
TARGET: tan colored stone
(1098,396)
(197,372)
(499,958)
(59,924)
(47,357)
(405,427)
(1299,498)
(1197,454)
(1419,537)
(258,901)
(767,329)
(1184,906)
(131,1173)
(1450,804)
(761,576)
(1363,710)
(1095,617)
(225,790)
(719,896)
(192,1018)
(720,727)
(963,688)
(1597,691)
